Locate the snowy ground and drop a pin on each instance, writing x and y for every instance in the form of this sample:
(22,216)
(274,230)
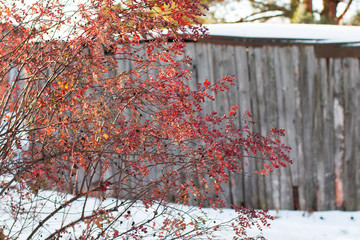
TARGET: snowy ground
(335,225)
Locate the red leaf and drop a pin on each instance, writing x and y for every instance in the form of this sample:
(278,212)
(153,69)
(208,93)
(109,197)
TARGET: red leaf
(206,83)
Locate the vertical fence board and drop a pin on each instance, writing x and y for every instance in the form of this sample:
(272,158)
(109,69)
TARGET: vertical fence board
(350,105)
(228,99)
(319,128)
(231,60)
(307,75)
(272,117)
(338,128)
(251,182)
(355,75)
(285,101)
(298,155)
(357,132)
(327,191)
(197,55)
(268,121)
(243,86)
(203,59)
(203,68)
(261,79)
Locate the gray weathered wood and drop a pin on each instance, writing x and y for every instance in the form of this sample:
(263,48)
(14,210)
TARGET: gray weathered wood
(316,100)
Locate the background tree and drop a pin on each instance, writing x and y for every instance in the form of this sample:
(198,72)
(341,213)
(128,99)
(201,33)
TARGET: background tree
(355,20)
(295,10)
(94,100)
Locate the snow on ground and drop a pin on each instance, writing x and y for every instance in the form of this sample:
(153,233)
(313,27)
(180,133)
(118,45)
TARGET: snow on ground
(300,225)
(305,33)
(335,225)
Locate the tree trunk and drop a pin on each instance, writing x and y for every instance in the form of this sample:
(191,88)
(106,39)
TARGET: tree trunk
(309,6)
(293,5)
(328,14)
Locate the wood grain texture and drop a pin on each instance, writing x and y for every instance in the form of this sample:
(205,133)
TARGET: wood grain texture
(316,100)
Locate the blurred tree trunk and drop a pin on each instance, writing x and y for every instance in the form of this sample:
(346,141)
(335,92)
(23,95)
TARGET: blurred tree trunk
(328,14)
(298,11)
(309,6)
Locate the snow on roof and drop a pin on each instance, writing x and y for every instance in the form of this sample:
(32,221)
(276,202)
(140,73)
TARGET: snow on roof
(303,33)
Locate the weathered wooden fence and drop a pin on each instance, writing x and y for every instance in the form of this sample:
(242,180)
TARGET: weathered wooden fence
(311,91)
(315,99)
